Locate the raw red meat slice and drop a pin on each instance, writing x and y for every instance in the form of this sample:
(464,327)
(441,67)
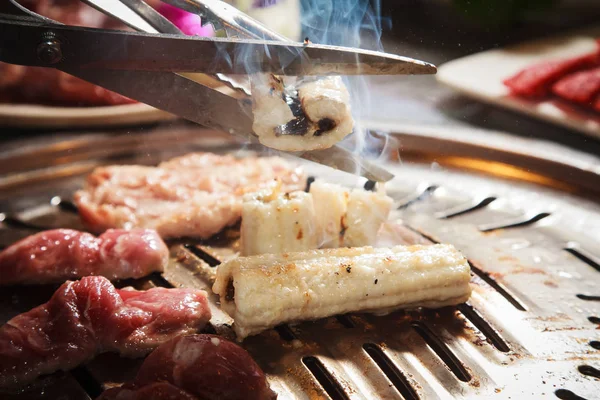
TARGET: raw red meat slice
(61,254)
(203,366)
(579,87)
(196,195)
(536,80)
(87,317)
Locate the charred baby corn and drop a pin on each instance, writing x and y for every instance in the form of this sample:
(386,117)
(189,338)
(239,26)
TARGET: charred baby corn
(260,292)
(277,222)
(309,114)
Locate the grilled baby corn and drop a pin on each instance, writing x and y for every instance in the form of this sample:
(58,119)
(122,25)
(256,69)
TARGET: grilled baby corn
(348,218)
(275,222)
(330,203)
(366,212)
(260,292)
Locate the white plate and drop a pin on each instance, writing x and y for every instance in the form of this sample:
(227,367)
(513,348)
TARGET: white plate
(36,116)
(480,75)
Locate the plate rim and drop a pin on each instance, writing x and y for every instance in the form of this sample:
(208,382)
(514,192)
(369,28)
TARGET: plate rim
(34,116)
(576,120)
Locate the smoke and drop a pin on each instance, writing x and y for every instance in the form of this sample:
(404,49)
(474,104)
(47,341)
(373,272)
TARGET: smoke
(350,23)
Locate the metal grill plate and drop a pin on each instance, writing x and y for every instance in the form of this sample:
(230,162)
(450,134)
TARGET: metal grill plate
(529,330)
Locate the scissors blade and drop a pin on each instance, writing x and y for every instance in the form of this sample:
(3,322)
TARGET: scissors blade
(342,159)
(96,49)
(177,95)
(213,109)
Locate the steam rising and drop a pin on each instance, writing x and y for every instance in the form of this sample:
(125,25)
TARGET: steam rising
(350,23)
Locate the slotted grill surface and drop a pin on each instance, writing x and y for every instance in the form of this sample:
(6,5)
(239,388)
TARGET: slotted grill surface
(529,330)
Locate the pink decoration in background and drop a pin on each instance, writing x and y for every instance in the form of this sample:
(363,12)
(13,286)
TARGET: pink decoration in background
(188,23)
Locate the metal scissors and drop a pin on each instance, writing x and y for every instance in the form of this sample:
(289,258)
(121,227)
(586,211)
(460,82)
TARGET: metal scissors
(152,64)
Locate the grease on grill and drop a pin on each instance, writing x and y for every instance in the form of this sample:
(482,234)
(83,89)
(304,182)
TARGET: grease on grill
(324,377)
(484,327)
(391,371)
(499,288)
(443,352)
(482,274)
(583,257)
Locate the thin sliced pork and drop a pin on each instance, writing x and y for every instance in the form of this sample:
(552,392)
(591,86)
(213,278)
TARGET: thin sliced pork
(87,317)
(57,255)
(200,367)
(196,195)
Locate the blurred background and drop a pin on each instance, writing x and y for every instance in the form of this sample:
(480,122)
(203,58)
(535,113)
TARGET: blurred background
(444,30)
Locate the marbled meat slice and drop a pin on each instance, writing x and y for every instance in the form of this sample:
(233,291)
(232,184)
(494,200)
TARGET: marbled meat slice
(196,195)
(87,317)
(537,80)
(581,87)
(57,255)
(199,367)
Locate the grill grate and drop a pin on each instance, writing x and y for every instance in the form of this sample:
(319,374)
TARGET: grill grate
(529,329)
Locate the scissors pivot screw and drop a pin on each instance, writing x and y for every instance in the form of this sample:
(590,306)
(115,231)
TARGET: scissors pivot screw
(49,50)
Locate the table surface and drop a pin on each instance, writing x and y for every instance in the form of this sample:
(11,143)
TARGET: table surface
(434,34)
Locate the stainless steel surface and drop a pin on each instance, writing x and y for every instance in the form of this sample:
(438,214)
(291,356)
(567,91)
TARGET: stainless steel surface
(226,17)
(87,48)
(122,12)
(529,331)
(153,17)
